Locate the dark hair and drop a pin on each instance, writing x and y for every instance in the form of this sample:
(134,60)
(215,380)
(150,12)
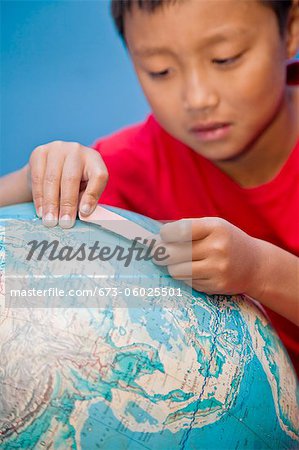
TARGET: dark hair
(120,7)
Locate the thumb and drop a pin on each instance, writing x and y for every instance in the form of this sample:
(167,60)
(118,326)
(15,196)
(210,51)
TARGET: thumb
(187,229)
(96,174)
(178,231)
(89,197)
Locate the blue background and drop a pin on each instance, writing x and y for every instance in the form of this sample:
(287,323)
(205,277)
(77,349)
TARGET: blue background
(65,74)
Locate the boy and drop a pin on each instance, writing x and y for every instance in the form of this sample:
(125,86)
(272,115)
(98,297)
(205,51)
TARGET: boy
(221,148)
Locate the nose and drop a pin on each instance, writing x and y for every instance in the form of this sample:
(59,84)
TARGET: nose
(199,93)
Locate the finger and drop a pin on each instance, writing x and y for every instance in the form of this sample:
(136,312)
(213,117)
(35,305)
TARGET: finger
(181,271)
(176,253)
(51,188)
(183,251)
(177,231)
(69,189)
(201,285)
(196,270)
(207,286)
(37,168)
(187,229)
(97,176)
(204,277)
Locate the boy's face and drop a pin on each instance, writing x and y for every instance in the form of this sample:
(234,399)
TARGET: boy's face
(213,71)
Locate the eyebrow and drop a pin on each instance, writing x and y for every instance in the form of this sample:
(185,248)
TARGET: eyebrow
(209,41)
(226,35)
(143,51)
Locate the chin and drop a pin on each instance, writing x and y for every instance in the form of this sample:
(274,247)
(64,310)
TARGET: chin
(216,155)
(220,151)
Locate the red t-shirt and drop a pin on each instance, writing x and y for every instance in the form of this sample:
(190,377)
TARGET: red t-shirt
(154,174)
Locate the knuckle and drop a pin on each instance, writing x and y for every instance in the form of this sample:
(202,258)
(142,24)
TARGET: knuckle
(220,221)
(215,222)
(185,229)
(38,199)
(72,147)
(71,178)
(223,268)
(37,152)
(36,179)
(101,176)
(67,204)
(91,196)
(40,148)
(56,143)
(51,178)
(75,145)
(219,225)
(98,157)
(219,246)
(54,147)
(51,204)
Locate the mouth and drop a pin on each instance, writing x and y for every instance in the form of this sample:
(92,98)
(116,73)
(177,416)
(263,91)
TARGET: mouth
(211,131)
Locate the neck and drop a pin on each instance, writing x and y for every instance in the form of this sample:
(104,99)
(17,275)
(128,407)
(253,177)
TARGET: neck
(267,155)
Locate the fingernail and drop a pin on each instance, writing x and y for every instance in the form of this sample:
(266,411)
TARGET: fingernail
(85,209)
(66,221)
(50,220)
(40,212)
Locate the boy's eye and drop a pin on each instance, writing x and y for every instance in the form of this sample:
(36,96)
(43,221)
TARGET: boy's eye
(226,61)
(160,74)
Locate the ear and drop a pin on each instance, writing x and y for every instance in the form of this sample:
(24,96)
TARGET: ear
(293,30)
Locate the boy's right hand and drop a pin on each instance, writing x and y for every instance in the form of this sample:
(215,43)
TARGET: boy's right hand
(65,177)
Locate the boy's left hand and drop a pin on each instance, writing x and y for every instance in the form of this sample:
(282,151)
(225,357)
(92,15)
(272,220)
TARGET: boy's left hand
(211,255)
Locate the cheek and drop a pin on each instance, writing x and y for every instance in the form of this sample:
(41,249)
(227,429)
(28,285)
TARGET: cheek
(151,94)
(258,90)
(260,82)
(163,103)
(161,96)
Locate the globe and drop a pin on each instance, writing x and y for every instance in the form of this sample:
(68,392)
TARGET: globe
(131,367)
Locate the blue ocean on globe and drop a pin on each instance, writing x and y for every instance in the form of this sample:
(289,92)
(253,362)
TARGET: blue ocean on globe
(123,370)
